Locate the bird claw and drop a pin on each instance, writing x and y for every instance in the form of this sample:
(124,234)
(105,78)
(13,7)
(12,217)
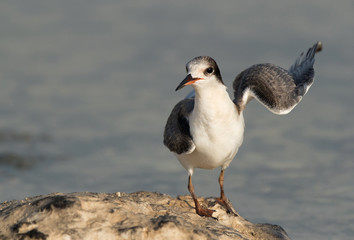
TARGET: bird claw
(205,212)
(225,203)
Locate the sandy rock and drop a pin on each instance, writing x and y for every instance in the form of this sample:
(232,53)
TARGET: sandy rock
(140,215)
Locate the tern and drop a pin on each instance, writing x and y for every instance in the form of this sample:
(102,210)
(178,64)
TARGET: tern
(205,130)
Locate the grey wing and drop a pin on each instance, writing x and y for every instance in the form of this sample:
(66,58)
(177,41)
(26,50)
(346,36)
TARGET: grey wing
(177,137)
(277,89)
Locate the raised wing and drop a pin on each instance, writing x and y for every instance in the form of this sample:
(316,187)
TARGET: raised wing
(277,89)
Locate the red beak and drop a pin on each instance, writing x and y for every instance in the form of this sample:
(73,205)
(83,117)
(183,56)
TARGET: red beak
(187,81)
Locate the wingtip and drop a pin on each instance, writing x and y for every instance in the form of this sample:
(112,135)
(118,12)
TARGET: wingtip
(319,46)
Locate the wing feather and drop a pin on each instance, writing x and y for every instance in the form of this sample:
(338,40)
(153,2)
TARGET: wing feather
(177,135)
(277,89)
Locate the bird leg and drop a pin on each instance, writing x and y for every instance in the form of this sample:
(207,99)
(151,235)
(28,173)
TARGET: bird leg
(198,208)
(223,200)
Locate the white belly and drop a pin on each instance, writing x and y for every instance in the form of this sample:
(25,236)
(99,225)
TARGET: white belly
(216,141)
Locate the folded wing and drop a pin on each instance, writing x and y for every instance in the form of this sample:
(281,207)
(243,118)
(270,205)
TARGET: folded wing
(177,137)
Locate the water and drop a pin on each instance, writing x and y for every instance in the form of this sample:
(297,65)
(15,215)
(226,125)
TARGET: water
(86,88)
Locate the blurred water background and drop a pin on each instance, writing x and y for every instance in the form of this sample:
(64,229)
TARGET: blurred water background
(86,88)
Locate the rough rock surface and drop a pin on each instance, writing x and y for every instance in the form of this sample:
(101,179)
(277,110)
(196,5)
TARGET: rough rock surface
(140,215)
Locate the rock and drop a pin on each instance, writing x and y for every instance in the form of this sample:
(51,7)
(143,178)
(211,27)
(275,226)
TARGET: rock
(140,215)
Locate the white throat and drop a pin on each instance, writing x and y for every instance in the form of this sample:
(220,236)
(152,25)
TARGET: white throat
(213,104)
(216,127)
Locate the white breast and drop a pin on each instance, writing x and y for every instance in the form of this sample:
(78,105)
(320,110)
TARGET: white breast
(217,130)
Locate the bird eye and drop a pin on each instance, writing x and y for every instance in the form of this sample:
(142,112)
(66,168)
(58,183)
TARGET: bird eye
(209,70)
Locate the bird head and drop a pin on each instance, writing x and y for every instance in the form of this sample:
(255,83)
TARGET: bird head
(201,71)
